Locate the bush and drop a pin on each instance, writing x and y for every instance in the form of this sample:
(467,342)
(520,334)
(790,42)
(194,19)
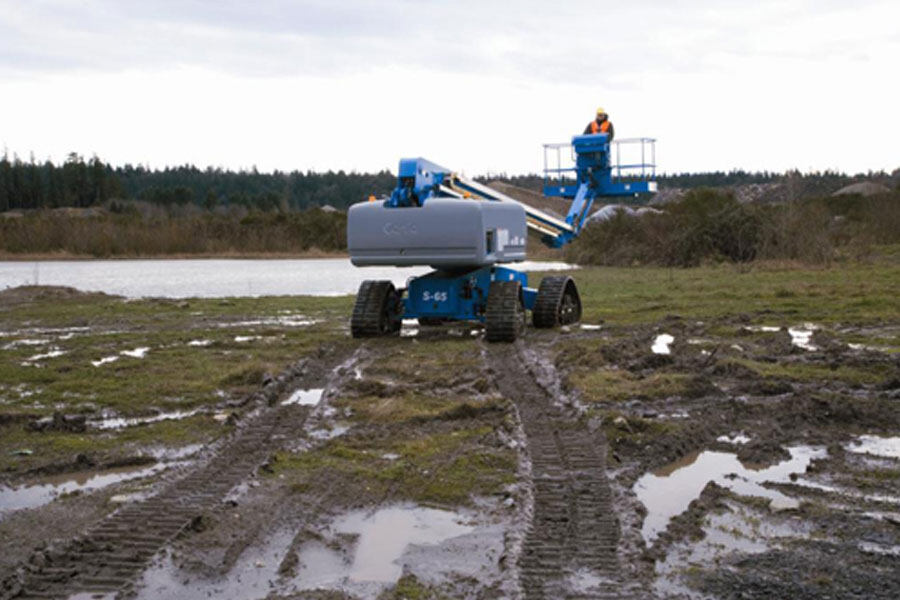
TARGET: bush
(709,225)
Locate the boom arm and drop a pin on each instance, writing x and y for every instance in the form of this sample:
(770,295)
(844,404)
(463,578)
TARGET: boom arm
(420,180)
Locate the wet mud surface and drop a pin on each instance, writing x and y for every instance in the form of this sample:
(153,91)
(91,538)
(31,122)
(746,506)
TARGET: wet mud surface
(739,457)
(763,458)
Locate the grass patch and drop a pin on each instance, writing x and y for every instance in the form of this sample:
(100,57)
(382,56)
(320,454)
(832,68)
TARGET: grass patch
(54,447)
(447,468)
(844,293)
(616,385)
(409,587)
(242,345)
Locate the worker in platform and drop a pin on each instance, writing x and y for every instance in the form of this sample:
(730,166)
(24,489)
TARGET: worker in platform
(601,124)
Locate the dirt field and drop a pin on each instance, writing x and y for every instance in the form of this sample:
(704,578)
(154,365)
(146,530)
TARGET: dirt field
(704,433)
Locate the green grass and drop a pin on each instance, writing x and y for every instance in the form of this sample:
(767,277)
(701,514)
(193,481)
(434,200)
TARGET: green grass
(616,385)
(446,468)
(441,441)
(172,376)
(844,293)
(409,587)
(102,446)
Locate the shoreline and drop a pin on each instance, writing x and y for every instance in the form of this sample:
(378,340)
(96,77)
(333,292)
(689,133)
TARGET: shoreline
(61,257)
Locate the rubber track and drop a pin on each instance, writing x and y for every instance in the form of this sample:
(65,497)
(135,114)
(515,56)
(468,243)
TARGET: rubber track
(366,318)
(545,313)
(503,316)
(114,552)
(573,527)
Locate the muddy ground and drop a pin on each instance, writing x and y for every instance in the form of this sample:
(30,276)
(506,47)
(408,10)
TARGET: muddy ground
(747,455)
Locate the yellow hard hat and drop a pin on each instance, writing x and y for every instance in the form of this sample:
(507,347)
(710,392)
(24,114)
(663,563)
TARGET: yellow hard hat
(601,111)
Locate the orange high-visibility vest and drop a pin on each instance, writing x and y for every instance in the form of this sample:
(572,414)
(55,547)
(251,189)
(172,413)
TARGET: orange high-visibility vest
(602,128)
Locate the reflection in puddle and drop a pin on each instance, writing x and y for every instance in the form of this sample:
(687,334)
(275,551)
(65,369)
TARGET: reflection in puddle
(286,321)
(384,536)
(873,548)
(120,422)
(26,342)
(739,438)
(324,434)
(251,576)
(661,343)
(104,360)
(589,327)
(382,539)
(53,353)
(801,336)
(137,352)
(361,554)
(888,447)
(43,490)
(739,530)
(308,397)
(199,343)
(668,491)
(765,328)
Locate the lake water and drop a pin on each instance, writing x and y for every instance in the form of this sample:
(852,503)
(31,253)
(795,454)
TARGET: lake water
(213,278)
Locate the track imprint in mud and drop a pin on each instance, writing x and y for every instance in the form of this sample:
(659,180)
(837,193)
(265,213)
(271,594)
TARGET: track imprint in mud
(571,546)
(108,557)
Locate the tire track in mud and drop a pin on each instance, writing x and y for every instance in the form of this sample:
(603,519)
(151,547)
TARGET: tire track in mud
(570,547)
(109,556)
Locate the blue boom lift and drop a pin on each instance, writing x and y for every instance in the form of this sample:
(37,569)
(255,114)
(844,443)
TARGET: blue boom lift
(465,230)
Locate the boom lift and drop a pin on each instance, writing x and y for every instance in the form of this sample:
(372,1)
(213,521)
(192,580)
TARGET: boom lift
(465,231)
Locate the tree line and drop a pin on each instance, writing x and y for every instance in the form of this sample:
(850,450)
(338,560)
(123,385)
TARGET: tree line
(84,183)
(816,180)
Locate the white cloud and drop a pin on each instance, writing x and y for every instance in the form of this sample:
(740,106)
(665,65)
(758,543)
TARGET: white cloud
(477,86)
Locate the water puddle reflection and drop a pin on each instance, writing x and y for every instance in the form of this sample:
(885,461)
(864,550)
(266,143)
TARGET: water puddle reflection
(887,447)
(738,438)
(661,343)
(384,535)
(122,422)
(668,491)
(361,551)
(739,530)
(45,489)
(801,336)
(309,397)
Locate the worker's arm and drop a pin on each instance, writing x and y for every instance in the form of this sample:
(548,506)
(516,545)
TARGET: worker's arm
(587,129)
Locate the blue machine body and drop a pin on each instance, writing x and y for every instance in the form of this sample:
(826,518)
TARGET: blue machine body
(459,296)
(460,293)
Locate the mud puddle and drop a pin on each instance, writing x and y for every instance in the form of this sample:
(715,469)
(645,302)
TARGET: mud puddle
(140,352)
(124,422)
(361,552)
(46,489)
(384,535)
(662,343)
(668,491)
(34,361)
(304,397)
(737,530)
(887,447)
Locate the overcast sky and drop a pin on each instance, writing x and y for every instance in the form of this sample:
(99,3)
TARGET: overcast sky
(476,86)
